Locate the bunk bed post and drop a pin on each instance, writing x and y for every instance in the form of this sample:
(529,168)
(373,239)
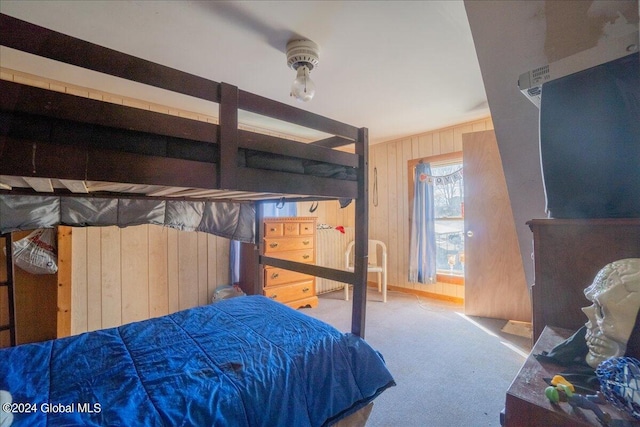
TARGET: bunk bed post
(9,284)
(259,232)
(361,236)
(228,128)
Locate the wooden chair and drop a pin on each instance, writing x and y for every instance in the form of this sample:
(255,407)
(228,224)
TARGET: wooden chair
(376,265)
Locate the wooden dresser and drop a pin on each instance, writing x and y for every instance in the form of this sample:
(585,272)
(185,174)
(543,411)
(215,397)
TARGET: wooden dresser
(526,404)
(568,253)
(293,239)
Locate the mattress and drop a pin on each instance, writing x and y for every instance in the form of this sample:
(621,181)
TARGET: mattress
(245,361)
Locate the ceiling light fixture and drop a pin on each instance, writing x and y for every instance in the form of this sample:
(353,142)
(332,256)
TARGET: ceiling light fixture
(302,56)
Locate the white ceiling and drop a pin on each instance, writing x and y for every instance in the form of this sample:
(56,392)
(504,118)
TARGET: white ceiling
(398,68)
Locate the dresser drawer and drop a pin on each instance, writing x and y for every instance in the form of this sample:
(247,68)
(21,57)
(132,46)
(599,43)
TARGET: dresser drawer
(280,276)
(292,229)
(307,228)
(293,292)
(303,255)
(288,244)
(273,229)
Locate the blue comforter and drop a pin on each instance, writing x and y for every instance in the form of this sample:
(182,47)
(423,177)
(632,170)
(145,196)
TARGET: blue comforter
(245,361)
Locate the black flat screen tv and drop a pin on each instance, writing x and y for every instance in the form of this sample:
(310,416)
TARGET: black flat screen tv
(590,142)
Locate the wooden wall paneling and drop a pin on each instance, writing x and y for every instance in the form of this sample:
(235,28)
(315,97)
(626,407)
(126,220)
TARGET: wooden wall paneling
(382,224)
(478,127)
(222,266)
(425,146)
(203,267)
(173,275)
(348,218)
(330,213)
(111,275)
(441,141)
(213,266)
(382,211)
(326,212)
(392,239)
(158,271)
(135,273)
(446,141)
(187,269)
(457,136)
(403,258)
(35,301)
(94,277)
(435,143)
(64,278)
(373,209)
(79,288)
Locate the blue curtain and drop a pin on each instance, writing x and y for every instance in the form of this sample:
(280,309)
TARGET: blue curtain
(269,209)
(422,253)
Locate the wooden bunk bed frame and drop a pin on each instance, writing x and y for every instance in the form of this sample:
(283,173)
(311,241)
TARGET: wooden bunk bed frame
(222,176)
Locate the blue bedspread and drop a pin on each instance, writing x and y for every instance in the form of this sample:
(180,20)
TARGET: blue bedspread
(244,361)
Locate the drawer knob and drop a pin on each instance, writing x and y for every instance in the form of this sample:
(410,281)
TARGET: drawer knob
(272,229)
(305,290)
(274,275)
(306,242)
(274,296)
(305,256)
(273,245)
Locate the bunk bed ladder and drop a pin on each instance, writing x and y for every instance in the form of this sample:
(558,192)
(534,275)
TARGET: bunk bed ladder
(8,283)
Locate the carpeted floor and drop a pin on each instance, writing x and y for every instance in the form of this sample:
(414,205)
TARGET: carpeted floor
(451,370)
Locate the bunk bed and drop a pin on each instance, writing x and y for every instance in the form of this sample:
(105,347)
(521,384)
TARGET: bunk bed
(150,167)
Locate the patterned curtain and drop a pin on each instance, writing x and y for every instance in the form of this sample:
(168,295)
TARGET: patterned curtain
(422,253)
(268,210)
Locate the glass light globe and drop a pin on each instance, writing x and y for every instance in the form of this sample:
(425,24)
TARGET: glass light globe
(303,87)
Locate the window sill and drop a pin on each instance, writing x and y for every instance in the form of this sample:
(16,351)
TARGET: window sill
(451,279)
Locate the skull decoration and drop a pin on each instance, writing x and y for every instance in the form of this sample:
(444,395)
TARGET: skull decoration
(615,294)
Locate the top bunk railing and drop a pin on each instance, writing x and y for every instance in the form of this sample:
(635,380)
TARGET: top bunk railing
(40,41)
(227,173)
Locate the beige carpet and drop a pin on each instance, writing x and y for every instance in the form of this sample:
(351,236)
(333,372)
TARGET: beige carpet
(451,370)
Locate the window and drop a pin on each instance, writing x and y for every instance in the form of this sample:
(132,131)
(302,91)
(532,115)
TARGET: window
(448,195)
(448,200)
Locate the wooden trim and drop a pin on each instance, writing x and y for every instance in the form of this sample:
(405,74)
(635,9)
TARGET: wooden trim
(262,180)
(285,147)
(426,294)
(91,164)
(31,38)
(447,278)
(10,284)
(361,237)
(33,100)
(581,222)
(64,282)
(311,269)
(437,158)
(228,130)
(332,142)
(277,110)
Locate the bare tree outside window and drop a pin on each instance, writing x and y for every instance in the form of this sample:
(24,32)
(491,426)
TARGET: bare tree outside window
(449,213)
